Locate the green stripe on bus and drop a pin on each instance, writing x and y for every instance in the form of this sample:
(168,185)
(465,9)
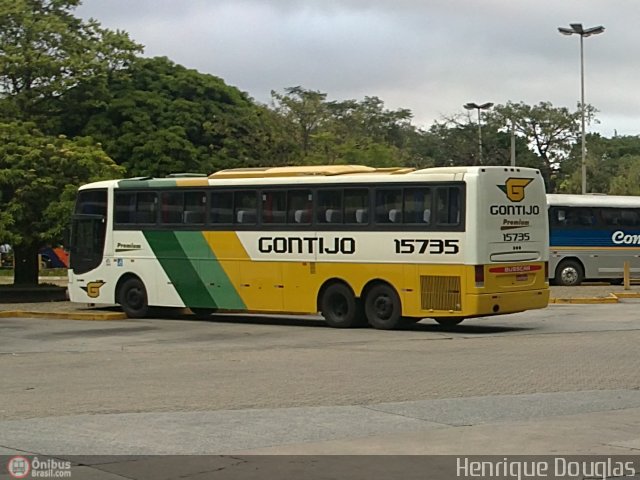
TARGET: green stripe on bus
(210,271)
(179,268)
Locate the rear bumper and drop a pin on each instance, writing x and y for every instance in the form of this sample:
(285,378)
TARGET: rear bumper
(498,303)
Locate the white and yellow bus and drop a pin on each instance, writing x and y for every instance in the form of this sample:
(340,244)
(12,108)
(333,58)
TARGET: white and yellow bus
(358,244)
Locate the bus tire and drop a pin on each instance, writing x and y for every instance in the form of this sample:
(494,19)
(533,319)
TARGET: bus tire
(132,296)
(383,308)
(339,306)
(449,322)
(569,273)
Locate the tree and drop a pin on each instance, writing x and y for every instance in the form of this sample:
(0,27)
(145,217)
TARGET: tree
(305,109)
(349,131)
(46,52)
(163,118)
(627,182)
(39,176)
(606,158)
(549,131)
(454,141)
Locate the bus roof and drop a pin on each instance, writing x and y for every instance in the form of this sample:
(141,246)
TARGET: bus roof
(308,174)
(305,170)
(592,200)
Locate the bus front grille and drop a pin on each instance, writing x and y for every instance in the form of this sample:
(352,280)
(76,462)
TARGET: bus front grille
(440,293)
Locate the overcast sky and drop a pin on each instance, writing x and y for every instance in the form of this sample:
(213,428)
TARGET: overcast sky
(430,56)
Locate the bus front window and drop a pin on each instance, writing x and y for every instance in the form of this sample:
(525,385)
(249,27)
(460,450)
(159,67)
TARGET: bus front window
(88,231)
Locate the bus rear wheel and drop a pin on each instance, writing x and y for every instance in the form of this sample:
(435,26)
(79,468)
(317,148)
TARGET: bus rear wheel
(339,307)
(569,273)
(383,308)
(133,298)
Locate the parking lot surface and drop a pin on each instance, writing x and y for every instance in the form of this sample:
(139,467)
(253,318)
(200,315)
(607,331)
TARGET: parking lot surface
(566,378)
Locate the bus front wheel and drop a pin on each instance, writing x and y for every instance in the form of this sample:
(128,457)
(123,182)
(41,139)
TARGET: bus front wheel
(339,306)
(569,273)
(382,307)
(133,298)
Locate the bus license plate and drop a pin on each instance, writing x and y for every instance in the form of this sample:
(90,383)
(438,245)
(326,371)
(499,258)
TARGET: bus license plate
(522,277)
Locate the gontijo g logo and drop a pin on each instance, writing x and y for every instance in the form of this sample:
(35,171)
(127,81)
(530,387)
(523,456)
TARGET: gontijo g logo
(93,288)
(514,188)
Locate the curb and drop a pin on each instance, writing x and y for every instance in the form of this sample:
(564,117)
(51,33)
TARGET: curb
(98,316)
(612,298)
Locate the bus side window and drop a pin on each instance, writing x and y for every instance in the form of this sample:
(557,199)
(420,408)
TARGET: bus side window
(125,207)
(388,205)
(448,206)
(245,207)
(416,206)
(171,207)
(221,208)
(274,207)
(146,207)
(629,218)
(329,207)
(356,205)
(194,208)
(299,206)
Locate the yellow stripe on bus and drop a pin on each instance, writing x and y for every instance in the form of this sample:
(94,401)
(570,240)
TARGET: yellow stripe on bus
(192,182)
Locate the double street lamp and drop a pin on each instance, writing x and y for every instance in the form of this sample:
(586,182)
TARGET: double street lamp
(576,29)
(475,106)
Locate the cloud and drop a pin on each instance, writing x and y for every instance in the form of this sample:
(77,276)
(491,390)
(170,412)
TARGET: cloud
(430,56)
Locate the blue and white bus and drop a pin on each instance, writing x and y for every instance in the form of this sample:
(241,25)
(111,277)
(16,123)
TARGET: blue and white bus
(591,236)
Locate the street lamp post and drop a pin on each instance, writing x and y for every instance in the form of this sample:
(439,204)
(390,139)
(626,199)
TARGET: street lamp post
(576,28)
(484,106)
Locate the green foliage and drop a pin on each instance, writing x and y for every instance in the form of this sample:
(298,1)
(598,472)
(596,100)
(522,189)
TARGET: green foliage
(607,159)
(45,52)
(627,182)
(347,131)
(550,131)
(39,176)
(162,118)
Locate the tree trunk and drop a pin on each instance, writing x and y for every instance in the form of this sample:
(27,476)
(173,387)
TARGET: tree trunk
(26,265)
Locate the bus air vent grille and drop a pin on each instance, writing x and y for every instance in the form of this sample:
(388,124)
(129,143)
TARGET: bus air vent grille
(440,293)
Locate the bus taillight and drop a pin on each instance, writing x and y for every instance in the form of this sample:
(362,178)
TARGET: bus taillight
(479,270)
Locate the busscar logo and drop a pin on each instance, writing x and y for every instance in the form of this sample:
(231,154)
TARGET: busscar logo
(93,288)
(514,188)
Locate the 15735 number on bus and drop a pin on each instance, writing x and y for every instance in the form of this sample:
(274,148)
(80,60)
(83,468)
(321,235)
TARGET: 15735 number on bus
(515,237)
(430,246)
